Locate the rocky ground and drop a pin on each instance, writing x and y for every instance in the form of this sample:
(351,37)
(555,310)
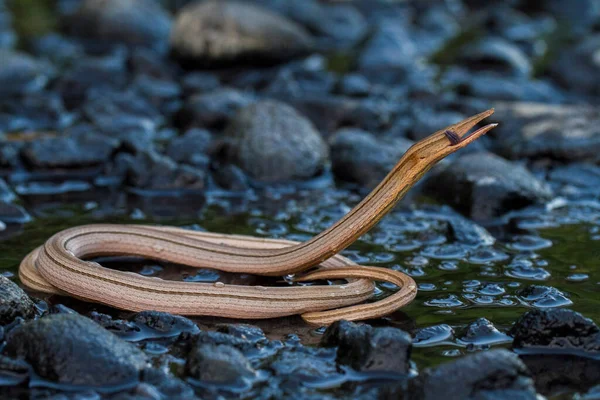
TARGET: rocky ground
(163,107)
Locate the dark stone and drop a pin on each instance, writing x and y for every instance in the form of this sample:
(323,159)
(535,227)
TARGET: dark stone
(231,177)
(71,349)
(272,142)
(576,67)
(336,25)
(200,82)
(227,32)
(484,186)
(330,113)
(219,364)
(144,61)
(33,112)
(59,49)
(214,109)
(13,214)
(309,77)
(21,73)
(391,46)
(164,322)
(162,94)
(354,85)
(368,349)
(191,148)
(300,364)
(560,132)
(103,105)
(150,170)
(130,22)
(91,72)
(78,150)
(497,55)
(14,302)
(167,385)
(494,374)
(556,329)
(357,156)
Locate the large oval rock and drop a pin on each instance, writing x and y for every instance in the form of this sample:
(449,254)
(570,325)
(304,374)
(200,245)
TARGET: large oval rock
(483,185)
(131,22)
(13,302)
(272,142)
(223,32)
(494,374)
(71,349)
(536,130)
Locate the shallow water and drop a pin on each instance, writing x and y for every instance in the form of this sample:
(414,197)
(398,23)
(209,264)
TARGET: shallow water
(458,283)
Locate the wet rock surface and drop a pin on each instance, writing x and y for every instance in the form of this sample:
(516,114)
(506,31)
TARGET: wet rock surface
(492,374)
(132,22)
(72,349)
(483,186)
(197,114)
(14,302)
(556,329)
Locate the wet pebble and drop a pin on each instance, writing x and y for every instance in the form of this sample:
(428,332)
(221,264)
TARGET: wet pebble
(71,349)
(497,55)
(218,364)
(82,149)
(13,213)
(359,157)
(150,170)
(131,22)
(272,142)
(556,328)
(367,349)
(543,297)
(21,73)
(483,186)
(191,148)
(478,374)
(14,302)
(213,109)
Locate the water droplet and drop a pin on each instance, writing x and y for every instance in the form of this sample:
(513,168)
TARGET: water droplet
(577,277)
